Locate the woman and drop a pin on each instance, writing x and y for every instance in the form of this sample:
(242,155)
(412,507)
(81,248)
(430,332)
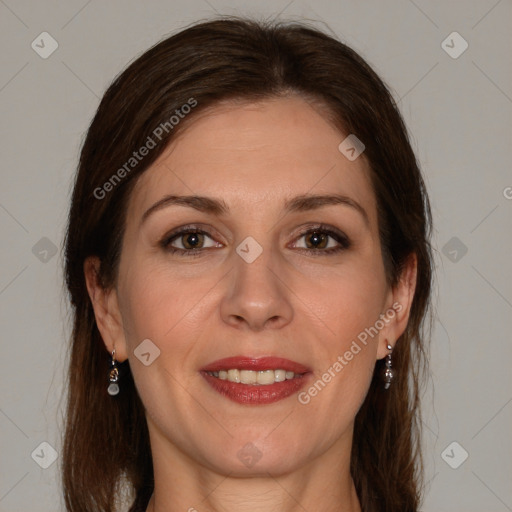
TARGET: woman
(249,266)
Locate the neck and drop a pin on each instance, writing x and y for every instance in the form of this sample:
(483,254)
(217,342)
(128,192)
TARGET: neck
(275,498)
(323,483)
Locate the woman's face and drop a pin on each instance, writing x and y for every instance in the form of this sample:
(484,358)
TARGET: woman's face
(258,285)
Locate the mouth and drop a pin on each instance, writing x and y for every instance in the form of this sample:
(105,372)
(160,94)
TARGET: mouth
(255,381)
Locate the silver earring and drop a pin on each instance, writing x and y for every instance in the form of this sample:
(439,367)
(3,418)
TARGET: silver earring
(389,374)
(113,376)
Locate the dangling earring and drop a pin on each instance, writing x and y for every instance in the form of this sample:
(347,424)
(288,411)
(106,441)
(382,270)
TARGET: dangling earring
(388,374)
(113,376)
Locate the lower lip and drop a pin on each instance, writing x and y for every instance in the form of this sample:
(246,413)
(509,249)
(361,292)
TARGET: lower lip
(255,394)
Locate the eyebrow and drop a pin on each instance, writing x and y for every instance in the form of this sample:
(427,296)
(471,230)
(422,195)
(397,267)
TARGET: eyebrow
(218,207)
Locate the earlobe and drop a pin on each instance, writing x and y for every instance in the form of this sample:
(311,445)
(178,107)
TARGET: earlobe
(106,309)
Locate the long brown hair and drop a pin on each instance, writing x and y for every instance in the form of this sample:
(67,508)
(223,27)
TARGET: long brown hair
(106,444)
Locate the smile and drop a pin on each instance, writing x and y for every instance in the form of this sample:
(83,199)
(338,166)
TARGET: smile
(255,381)
(261,378)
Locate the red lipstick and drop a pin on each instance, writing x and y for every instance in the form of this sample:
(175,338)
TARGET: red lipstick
(259,364)
(256,394)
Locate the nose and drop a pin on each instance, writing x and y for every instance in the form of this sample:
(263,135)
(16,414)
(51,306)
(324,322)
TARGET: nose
(257,296)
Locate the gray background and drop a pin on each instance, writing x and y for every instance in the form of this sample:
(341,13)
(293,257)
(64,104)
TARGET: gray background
(459,113)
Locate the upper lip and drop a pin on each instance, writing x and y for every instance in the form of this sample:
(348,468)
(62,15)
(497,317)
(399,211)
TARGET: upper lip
(255,364)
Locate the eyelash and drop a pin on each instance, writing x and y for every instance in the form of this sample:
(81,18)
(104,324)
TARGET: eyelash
(321,228)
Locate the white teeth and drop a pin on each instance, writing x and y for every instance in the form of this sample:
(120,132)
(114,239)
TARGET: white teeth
(248,377)
(266,377)
(263,377)
(233,375)
(280,375)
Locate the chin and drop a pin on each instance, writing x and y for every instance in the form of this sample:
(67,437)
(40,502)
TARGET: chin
(257,458)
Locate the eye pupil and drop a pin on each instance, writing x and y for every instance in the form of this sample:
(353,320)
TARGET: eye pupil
(196,239)
(317,239)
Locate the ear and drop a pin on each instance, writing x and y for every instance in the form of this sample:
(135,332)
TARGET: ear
(398,306)
(106,309)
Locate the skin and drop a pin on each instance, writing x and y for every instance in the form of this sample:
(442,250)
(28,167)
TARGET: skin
(288,303)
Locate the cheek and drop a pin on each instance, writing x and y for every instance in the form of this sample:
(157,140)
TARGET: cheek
(347,306)
(171,311)
(159,307)
(344,301)
(156,303)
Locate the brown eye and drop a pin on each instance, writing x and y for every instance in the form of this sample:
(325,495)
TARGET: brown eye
(317,240)
(187,241)
(192,240)
(322,240)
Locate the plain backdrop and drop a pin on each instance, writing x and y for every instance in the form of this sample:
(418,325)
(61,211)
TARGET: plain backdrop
(457,103)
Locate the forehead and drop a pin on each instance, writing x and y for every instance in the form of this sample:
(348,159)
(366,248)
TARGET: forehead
(252,154)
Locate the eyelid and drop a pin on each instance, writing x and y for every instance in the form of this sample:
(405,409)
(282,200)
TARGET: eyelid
(341,238)
(183,230)
(319,226)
